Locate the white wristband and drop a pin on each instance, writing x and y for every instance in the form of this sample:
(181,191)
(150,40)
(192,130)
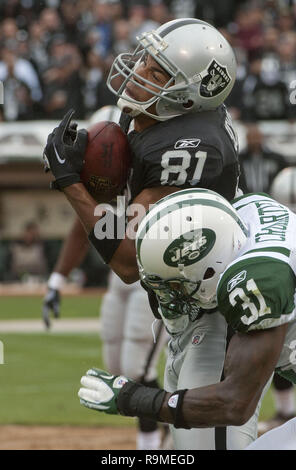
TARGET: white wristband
(56,281)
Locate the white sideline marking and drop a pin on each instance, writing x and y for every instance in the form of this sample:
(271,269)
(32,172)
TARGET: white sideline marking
(66,325)
(1,353)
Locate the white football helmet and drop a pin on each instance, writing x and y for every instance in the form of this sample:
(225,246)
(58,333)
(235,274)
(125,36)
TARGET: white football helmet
(199,60)
(184,243)
(283,187)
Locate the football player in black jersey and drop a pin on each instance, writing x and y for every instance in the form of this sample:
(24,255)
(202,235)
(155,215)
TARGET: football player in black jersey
(173,87)
(128,346)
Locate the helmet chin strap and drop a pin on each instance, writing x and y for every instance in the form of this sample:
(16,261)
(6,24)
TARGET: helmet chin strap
(128,108)
(134,109)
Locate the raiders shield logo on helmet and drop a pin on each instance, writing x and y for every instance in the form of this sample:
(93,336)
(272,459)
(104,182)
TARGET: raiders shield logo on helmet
(215,80)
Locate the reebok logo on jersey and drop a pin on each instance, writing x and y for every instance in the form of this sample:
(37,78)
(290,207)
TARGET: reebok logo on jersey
(187,144)
(236,280)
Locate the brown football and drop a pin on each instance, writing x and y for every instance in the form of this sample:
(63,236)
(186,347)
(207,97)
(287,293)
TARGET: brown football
(107,161)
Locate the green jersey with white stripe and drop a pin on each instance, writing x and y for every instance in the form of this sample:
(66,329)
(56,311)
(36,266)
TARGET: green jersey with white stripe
(257,290)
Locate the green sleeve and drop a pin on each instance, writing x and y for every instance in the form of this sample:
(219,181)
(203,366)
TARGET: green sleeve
(257,293)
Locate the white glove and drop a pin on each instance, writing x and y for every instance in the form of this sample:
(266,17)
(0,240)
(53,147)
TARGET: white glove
(100,390)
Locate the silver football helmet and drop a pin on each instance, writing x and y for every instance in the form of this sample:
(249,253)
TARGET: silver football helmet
(197,57)
(183,244)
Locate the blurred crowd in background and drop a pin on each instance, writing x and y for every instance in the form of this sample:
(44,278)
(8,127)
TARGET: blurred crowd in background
(57,53)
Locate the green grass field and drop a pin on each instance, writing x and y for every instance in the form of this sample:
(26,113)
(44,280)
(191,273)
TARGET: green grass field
(15,308)
(40,377)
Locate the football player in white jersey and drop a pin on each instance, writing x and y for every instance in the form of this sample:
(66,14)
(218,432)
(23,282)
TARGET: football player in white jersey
(196,250)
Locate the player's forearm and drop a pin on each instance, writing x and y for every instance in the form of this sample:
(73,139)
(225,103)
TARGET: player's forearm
(73,251)
(215,405)
(124,263)
(250,361)
(123,260)
(211,406)
(83,204)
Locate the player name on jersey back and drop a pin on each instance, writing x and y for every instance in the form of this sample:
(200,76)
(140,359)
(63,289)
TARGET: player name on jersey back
(272,228)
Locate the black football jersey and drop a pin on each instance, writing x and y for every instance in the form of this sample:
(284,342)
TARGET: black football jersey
(193,150)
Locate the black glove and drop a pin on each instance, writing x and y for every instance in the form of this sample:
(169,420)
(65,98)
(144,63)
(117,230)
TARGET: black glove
(64,152)
(51,302)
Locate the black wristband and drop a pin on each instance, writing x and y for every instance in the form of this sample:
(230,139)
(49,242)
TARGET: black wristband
(135,399)
(62,183)
(175,403)
(107,246)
